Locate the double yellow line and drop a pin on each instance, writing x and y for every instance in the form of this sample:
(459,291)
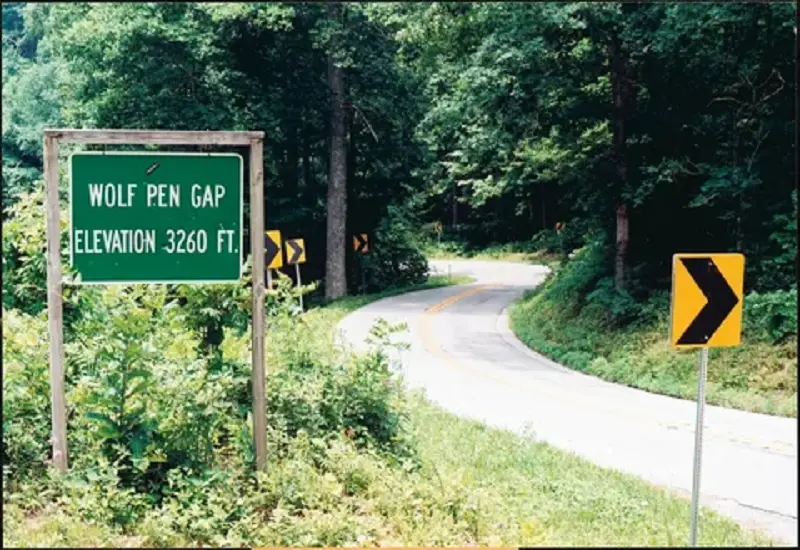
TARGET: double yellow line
(458,297)
(433,347)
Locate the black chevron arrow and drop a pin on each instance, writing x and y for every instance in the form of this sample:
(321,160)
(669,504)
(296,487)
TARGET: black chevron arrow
(720,296)
(271,251)
(296,251)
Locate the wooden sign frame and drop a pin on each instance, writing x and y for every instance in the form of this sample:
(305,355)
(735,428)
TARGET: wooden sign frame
(255,142)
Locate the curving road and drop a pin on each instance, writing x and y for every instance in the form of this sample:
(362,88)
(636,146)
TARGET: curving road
(467,360)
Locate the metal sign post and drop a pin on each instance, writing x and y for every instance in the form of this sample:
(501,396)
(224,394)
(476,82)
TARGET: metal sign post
(363,274)
(705,312)
(299,283)
(698,443)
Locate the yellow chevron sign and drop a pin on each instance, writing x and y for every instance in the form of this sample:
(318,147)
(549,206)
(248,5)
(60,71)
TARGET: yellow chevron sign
(361,243)
(295,251)
(273,257)
(707,294)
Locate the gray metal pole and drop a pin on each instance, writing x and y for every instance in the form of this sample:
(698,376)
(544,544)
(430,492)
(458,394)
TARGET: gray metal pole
(299,283)
(269,279)
(363,274)
(698,443)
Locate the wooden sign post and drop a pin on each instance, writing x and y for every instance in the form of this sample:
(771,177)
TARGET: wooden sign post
(156,272)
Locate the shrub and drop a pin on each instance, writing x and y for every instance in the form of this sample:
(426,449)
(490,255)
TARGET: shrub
(771,316)
(160,434)
(395,256)
(323,394)
(26,391)
(435,247)
(144,397)
(570,238)
(576,279)
(24,253)
(25,261)
(616,306)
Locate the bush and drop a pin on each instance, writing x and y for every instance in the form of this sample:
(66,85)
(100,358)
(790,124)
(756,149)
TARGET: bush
(395,256)
(24,253)
(434,247)
(616,306)
(25,261)
(144,400)
(771,316)
(577,279)
(548,240)
(143,395)
(26,391)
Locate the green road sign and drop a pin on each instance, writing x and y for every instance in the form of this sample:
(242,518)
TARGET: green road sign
(156,217)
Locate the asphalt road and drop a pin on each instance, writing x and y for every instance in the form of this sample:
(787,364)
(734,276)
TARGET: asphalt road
(467,360)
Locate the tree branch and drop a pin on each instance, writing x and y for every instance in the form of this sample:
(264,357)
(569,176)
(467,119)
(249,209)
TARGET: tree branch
(697,171)
(761,138)
(369,126)
(725,99)
(768,96)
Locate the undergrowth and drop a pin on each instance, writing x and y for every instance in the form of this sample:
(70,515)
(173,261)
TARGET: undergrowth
(576,318)
(160,439)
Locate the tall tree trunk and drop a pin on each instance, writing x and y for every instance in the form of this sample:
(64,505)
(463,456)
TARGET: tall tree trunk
(335,274)
(544,217)
(307,183)
(619,88)
(351,149)
(292,161)
(622,246)
(544,206)
(455,206)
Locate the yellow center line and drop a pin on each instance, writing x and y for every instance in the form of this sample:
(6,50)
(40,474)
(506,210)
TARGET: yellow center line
(435,348)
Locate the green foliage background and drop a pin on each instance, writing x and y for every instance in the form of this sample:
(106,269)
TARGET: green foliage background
(495,119)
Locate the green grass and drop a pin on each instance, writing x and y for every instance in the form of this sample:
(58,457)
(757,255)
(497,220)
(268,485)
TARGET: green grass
(476,486)
(755,376)
(468,485)
(522,492)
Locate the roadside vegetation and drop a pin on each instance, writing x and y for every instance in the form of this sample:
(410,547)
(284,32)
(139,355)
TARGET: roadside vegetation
(508,252)
(628,132)
(161,445)
(599,138)
(628,342)
(624,341)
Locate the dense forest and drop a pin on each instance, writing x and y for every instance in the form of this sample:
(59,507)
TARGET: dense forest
(617,133)
(656,127)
